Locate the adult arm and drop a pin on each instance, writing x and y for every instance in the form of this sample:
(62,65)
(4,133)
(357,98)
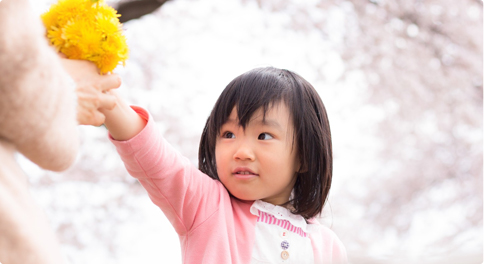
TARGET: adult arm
(37,99)
(38,104)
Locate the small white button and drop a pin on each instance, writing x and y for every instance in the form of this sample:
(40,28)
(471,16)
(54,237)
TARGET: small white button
(284,255)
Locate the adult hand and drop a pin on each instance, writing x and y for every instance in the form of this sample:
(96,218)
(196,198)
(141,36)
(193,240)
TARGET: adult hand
(91,90)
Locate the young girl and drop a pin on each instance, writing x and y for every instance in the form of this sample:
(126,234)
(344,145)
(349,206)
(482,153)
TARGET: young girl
(265,163)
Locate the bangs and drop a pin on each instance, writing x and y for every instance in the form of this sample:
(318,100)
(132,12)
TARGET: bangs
(257,89)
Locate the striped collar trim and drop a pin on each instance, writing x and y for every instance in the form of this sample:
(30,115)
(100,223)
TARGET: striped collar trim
(264,210)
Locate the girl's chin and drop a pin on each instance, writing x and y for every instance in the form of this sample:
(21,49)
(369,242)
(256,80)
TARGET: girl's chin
(243,196)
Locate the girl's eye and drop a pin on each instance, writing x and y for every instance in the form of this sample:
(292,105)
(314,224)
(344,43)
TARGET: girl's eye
(228,135)
(264,136)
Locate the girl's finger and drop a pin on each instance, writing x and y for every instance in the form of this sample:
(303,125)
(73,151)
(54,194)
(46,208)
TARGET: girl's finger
(97,119)
(107,101)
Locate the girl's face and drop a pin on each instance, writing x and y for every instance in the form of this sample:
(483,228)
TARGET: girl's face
(258,163)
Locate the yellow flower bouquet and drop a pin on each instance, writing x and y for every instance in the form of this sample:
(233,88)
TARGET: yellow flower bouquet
(87,30)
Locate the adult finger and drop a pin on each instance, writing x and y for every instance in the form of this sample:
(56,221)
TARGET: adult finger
(108,82)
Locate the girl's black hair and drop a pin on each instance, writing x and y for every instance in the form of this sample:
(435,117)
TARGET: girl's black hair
(263,88)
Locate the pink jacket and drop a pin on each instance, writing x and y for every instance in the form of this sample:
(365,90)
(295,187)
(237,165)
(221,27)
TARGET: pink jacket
(213,226)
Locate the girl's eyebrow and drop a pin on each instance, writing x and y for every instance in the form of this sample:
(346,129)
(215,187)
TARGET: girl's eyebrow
(231,121)
(262,122)
(269,122)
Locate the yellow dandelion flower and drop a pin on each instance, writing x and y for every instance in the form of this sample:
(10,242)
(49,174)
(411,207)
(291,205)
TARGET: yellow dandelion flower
(88,30)
(107,26)
(72,32)
(72,52)
(107,61)
(108,11)
(49,19)
(55,37)
(65,10)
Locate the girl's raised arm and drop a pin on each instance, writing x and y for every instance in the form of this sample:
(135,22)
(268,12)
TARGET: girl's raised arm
(122,121)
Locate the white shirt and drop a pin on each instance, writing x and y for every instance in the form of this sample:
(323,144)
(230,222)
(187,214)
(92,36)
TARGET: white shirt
(280,236)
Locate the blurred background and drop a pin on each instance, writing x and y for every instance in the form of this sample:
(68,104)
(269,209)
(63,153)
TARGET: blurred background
(402,84)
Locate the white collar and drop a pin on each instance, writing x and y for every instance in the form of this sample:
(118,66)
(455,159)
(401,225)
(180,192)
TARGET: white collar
(278,212)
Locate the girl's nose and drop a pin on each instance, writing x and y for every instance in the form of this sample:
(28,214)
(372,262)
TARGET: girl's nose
(244,152)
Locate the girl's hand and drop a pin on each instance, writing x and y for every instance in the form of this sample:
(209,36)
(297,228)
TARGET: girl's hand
(122,121)
(91,90)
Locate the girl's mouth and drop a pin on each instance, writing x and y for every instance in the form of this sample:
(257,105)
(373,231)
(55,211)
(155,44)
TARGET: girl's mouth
(245,176)
(244,173)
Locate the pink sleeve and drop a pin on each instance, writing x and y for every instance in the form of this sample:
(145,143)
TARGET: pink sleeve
(327,247)
(339,252)
(185,194)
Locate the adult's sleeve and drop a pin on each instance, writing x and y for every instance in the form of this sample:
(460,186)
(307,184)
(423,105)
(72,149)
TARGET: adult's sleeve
(37,97)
